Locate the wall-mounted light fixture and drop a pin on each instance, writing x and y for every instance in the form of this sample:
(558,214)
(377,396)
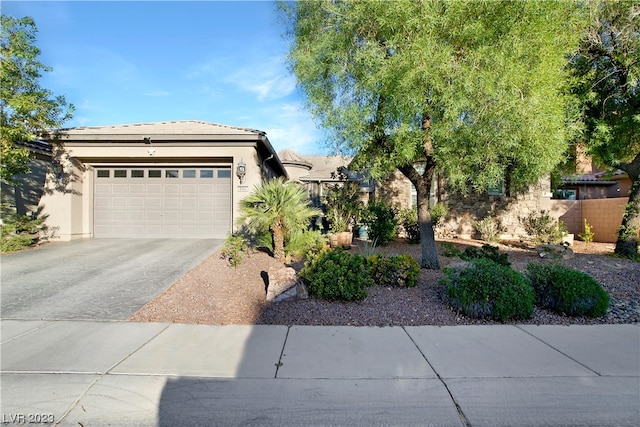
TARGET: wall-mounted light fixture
(241,170)
(57,170)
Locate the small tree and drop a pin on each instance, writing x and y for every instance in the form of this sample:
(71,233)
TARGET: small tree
(26,110)
(277,207)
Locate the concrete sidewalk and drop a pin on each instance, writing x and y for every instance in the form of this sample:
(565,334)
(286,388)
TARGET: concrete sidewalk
(87,373)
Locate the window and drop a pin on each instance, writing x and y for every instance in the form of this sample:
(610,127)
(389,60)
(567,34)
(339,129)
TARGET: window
(137,173)
(224,173)
(189,173)
(104,173)
(155,174)
(206,173)
(496,190)
(172,173)
(120,173)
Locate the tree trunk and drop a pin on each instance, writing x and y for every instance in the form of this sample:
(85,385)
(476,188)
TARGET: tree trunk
(422,183)
(627,243)
(278,242)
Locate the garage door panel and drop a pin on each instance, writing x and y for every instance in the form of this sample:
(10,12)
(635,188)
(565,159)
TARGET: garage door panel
(162,202)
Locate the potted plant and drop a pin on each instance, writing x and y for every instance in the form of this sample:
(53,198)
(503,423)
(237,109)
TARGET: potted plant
(342,204)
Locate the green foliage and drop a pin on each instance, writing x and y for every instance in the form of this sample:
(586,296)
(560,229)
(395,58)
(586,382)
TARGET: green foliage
(588,235)
(369,248)
(335,274)
(543,228)
(449,250)
(26,109)
(302,243)
(19,231)
(277,207)
(408,218)
(342,203)
(567,291)
(472,89)
(396,271)
(485,289)
(438,212)
(488,228)
(381,221)
(487,252)
(606,78)
(234,249)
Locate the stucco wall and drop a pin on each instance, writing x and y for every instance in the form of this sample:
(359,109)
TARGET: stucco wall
(69,202)
(24,198)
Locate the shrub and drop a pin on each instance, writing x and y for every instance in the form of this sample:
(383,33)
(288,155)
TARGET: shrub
(408,218)
(381,221)
(543,228)
(304,242)
(588,234)
(397,270)
(485,289)
(488,228)
(234,249)
(438,212)
(334,274)
(488,252)
(19,231)
(567,291)
(449,250)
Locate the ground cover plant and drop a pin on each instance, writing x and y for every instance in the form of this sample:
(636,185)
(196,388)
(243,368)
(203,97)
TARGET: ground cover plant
(567,291)
(484,289)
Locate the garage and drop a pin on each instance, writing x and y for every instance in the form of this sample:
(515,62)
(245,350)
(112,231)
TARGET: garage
(162,202)
(172,179)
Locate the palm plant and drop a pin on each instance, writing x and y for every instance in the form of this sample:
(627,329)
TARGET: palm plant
(277,207)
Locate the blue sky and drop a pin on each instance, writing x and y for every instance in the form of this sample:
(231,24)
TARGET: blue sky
(124,62)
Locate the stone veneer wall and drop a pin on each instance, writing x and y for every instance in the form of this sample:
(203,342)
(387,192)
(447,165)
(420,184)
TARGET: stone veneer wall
(465,210)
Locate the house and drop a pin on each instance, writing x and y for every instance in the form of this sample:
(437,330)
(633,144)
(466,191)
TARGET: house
(164,179)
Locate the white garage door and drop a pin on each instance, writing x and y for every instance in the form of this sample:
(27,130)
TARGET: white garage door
(162,202)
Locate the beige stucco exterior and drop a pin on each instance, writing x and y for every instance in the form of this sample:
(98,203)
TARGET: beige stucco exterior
(68,199)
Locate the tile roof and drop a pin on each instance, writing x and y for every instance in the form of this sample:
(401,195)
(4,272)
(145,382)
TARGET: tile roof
(180,127)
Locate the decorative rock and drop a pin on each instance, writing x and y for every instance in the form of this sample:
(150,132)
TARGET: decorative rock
(555,251)
(284,284)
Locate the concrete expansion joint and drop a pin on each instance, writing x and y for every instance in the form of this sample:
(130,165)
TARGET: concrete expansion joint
(461,414)
(559,351)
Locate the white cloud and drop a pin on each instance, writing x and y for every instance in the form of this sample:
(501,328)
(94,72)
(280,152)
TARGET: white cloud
(157,93)
(290,126)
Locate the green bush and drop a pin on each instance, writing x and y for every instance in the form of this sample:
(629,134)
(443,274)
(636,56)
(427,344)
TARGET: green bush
(488,252)
(234,249)
(304,242)
(397,270)
(438,212)
(543,228)
(19,231)
(380,218)
(485,289)
(488,228)
(408,218)
(335,274)
(449,250)
(567,291)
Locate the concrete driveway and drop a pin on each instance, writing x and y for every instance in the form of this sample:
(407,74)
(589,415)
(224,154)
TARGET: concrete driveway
(99,279)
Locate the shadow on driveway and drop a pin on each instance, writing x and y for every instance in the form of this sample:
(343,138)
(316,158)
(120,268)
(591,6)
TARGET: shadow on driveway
(98,279)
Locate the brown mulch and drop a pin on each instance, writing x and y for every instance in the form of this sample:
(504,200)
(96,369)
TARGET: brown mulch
(218,294)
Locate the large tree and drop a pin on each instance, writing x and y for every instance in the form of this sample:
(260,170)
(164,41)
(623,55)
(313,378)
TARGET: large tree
(606,76)
(26,109)
(470,89)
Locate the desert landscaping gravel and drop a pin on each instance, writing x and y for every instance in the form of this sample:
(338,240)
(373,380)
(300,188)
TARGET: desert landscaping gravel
(215,293)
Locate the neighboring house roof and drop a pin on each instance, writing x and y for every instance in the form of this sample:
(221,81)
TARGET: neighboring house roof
(289,157)
(587,179)
(325,167)
(36,146)
(181,131)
